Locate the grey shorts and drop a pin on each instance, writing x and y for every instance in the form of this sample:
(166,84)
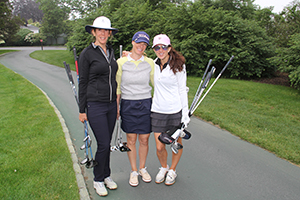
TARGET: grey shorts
(163,122)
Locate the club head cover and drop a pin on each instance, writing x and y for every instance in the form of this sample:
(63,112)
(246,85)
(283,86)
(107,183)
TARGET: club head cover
(123,147)
(187,134)
(171,131)
(92,163)
(113,148)
(166,138)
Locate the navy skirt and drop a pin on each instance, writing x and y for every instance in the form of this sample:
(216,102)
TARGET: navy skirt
(163,122)
(135,116)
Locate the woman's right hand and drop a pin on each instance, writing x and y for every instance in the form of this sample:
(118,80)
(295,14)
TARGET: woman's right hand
(125,53)
(82,117)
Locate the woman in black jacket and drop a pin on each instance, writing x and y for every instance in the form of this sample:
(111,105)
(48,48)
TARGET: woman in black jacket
(97,97)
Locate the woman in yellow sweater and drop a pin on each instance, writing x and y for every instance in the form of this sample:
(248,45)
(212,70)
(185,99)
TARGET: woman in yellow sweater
(134,99)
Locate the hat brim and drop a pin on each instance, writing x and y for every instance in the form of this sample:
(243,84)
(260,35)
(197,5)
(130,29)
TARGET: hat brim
(163,43)
(141,40)
(88,29)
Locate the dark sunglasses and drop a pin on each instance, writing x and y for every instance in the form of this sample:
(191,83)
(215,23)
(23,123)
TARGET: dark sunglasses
(164,47)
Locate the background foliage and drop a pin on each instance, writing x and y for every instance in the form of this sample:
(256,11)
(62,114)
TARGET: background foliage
(262,42)
(199,31)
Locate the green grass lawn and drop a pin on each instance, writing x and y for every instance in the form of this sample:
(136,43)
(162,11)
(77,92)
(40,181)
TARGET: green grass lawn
(263,114)
(3,51)
(35,160)
(55,57)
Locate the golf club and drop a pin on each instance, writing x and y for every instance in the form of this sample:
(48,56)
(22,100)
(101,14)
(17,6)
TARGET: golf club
(171,136)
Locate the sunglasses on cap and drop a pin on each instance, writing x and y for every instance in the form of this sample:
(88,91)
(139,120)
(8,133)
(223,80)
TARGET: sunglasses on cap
(164,47)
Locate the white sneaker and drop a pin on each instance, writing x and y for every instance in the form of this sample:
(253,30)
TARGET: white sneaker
(145,175)
(110,184)
(160,177)
(100,188)
(171,176)
(133,180)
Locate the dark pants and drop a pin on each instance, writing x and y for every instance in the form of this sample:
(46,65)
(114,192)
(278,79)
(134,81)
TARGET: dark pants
(102,119)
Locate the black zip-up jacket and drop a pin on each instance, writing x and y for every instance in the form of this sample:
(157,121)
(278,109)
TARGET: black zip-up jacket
(97,76)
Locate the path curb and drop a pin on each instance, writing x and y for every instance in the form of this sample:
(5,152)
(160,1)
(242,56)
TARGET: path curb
(83,192)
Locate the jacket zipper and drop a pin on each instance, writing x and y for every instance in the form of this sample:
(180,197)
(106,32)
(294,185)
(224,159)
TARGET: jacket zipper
(110,85)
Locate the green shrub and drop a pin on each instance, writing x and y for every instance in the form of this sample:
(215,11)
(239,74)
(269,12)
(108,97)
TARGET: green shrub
(34,38)
(20,37)
(288,60)
(199,33)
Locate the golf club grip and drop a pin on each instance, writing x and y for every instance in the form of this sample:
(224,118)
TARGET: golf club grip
(76,60)
(67,68)
(199,87)
(209,63)
(209,75)
(70,74)
(121,49)
(226,65)
(212,84)
(206,81)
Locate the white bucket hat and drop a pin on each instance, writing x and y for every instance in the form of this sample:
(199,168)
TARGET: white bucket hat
(102,23)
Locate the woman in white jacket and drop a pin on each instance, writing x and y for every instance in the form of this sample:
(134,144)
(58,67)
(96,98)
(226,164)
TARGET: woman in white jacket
(170,102)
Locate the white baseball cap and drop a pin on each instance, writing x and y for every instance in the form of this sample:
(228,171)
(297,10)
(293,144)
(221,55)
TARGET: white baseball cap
(161,39)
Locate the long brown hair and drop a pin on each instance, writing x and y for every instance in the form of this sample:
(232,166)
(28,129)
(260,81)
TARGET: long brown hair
(177,60)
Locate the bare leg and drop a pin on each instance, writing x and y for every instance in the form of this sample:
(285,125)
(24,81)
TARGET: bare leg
(143,149)
(131,140)
(176,157)
(161,151)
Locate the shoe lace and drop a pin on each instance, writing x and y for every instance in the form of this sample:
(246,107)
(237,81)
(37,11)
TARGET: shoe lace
(100,184)
(143,170)
(162,170)
(109,179)
(134,173)
(171,173)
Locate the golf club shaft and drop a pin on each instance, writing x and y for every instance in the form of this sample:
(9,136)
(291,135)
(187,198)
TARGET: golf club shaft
(197,93)
(212,84)
(203,87)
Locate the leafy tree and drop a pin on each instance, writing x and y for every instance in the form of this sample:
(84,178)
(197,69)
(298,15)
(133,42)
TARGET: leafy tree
(81,8)
(79,37)
(130,17)
(20,37)
(140,16)
(290,20)
(264,18)
(207,33)
(27,9)
(200,33)
(245,8)
(9,24)
(53,23)
(288,60)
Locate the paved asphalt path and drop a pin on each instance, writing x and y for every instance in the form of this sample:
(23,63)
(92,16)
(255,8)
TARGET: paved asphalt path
(215,164)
